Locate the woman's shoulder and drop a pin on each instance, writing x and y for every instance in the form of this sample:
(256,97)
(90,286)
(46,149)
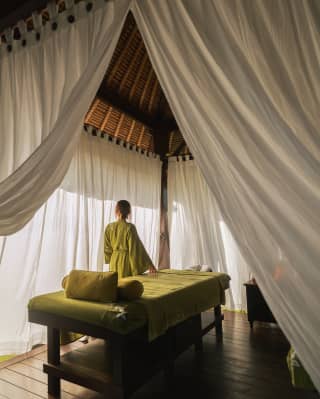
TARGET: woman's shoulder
(110,226)
(122,224)
(131,228)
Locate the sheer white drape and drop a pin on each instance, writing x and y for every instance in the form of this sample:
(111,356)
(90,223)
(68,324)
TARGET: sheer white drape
(46,88)
(67,231)
(242,79)
(198,233)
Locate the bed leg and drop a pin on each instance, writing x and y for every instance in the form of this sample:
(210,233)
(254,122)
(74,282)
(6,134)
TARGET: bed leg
(54,358)
(116,345)
(169,362)
(117,393)
(169,373)
(198,345)
(218,323)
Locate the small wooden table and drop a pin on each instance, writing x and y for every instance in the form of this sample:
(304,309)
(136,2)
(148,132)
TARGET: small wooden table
(258,309)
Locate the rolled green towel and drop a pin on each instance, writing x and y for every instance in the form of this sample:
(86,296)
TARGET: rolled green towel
(129,289)
(64,281)
(91,286)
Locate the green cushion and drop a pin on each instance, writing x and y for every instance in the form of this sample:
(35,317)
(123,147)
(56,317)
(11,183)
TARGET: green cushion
(92,286)
(129,289)
(64,281)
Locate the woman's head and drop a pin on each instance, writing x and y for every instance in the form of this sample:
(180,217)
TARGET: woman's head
(123,209)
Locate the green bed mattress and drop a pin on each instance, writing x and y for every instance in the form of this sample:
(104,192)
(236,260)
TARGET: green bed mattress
(169,298)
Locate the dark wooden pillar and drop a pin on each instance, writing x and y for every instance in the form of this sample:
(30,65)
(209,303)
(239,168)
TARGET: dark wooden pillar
(161,146)
(218,317)
(53,339)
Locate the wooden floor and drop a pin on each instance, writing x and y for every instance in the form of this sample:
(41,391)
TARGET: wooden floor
(248,364)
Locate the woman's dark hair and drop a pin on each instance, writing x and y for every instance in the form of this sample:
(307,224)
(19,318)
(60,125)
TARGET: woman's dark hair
(124,208)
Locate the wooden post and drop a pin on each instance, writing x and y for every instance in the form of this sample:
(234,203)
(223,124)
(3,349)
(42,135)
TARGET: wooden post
(218,323)
(53,340)
(198,346)
(170,357)
(161,146)
(116,345)
(164,250)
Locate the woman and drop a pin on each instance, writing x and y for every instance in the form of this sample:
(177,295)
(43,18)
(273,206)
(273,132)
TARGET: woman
(123,249)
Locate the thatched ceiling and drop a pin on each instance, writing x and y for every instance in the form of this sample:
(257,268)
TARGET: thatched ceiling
(130,103)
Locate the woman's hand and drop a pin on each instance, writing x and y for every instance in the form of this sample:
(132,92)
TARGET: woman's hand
(152,270)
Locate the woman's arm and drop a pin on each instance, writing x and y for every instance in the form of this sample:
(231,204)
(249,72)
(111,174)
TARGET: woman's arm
(139,259)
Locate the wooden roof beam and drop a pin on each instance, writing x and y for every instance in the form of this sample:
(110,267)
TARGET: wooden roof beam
(122,105)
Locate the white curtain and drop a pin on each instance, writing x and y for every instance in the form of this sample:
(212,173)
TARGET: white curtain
(46,88)
(242,78)
(67,231)
(198,233)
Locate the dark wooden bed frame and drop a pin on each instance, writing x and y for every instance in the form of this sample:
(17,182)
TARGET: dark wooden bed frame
(116,364)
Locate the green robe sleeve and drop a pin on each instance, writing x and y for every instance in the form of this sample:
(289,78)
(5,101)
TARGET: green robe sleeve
(139,259)
(107,246)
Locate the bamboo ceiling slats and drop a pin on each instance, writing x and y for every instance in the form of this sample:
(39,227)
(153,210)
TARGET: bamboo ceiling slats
(115,123)
(177,145)
(130,80)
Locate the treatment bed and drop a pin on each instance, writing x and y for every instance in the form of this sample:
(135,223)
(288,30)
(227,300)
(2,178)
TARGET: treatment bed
(135,339)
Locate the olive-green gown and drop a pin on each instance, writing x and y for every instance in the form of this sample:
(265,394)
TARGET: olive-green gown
(124,251)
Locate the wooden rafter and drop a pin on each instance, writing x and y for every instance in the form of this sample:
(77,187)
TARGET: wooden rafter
(116,133)
(135,58)
(137,77)
(105,120)
(146,87)
(91,110)
(111,73)
(141,135)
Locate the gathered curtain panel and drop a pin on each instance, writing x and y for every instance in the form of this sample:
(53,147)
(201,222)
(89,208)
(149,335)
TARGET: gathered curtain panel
(46,89)
(198,233)
(242,80)
(67,231)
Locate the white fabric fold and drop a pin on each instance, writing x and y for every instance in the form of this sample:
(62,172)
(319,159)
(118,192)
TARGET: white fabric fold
(198,233)
(46,89)
(242,79)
